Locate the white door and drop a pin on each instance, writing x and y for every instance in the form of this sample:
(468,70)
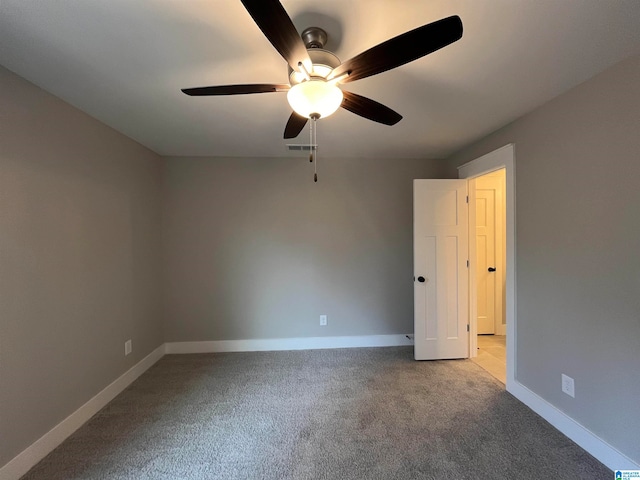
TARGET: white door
(489,252)
(440,236)
(486,259)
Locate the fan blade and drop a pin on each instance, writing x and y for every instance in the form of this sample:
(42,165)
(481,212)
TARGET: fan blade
(402,49)
(237,89)
(295,124)
(367,108)
(273,20)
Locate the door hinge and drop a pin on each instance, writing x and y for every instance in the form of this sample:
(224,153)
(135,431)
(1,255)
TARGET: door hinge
(467,327)
(467,198)
(467,263)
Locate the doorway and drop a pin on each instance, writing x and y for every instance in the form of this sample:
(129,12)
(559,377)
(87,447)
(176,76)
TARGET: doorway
(487,193)
(438,287)
(502,158)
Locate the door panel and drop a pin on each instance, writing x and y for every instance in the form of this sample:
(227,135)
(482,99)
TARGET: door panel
(485,258)
(440,260)
(450,272)
(490,240)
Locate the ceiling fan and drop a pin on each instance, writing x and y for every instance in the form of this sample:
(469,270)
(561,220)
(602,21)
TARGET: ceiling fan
(315,73)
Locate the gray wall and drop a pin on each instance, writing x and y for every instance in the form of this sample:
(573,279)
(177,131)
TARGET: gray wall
(79,259)
(255,249)
(578,250)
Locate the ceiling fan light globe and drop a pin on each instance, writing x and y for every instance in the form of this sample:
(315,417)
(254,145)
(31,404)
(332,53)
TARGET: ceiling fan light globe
(315,97)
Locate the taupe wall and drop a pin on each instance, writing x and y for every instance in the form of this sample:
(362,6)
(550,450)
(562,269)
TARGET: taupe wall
(79,259)
(578,250)
(255,249)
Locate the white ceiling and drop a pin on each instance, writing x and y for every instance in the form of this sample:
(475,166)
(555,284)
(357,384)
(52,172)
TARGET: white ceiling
(124,62)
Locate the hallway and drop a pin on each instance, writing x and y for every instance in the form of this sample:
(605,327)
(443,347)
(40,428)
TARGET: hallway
(492,355)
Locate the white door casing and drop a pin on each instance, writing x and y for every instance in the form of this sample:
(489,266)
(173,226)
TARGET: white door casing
(441,283)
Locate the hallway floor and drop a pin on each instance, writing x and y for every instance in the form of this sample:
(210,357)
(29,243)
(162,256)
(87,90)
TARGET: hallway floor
(492,355)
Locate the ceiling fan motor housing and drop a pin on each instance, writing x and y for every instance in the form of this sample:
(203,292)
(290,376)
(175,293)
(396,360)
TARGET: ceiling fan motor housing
(323,60)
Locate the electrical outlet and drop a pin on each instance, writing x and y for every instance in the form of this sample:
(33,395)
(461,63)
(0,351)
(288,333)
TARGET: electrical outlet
(127,347)
(323,320)
(568,386)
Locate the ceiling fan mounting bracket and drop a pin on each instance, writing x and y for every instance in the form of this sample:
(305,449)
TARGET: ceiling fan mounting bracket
(314,37)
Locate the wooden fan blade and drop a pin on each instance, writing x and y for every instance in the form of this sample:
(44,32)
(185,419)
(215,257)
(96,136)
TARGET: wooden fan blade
(273,20)
(237,89)
(295,124)
(367,108)
(402,49)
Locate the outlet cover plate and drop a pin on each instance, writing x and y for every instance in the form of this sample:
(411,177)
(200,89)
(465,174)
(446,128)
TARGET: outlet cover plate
(568,386)
(127,347)
(323,320)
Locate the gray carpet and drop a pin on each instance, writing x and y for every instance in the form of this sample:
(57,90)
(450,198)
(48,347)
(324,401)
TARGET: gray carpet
(370,413)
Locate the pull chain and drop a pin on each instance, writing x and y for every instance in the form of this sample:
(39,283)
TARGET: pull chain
(311,142)
(315,152)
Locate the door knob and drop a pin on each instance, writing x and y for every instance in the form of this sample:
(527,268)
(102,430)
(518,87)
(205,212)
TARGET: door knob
(492,269)
(421,279)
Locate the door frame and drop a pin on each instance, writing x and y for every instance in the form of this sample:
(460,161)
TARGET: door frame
(503,157)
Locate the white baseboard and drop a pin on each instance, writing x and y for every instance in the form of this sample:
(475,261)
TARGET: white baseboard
(271,344)
(50,440)
(588,440)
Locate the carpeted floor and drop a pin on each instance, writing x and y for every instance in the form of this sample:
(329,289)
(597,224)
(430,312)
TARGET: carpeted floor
(368,413)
